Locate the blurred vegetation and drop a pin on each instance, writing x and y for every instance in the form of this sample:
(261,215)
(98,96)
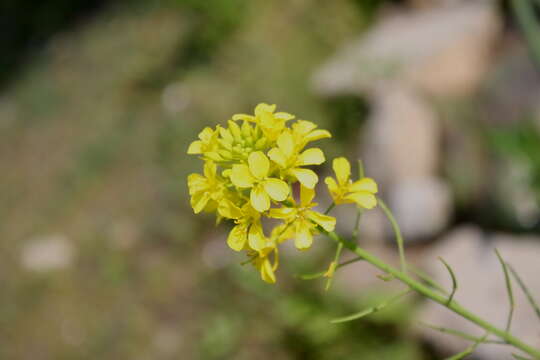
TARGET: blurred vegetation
(93,135)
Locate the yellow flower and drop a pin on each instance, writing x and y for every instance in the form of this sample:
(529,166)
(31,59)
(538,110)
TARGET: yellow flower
(255,175)
(248,230)
(306,131)
(262,263)
(272,124)
(206,143)
(289,159)
(362,192)
(302,219)
(206,191)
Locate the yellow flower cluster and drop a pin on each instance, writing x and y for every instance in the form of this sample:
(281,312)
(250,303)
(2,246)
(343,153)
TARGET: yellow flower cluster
(250,170)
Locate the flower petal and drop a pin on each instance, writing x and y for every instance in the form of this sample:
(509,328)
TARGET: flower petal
(342,168)
(313,156)
(316,135)
(237,237)
(199,201)
(277,156)
(303,127)
(256,238)
(285,142)
(364,184)
(283,116)
(267,272)
(363,199)
(276,189)
(303,237)
(241,176)
(307,177)
(228,210)
(259,199)
(306,196)
(263,108)
(259,165)
(328,223)
(282,213)
(195,147)
(332,185)
(197,183)
(206,134)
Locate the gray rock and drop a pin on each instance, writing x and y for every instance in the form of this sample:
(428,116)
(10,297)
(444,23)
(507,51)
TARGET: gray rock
(443,51)
(401,137)
(481,288)
(53,252)
(422,206)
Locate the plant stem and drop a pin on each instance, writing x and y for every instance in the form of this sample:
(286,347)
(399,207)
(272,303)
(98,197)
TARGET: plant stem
(429,293)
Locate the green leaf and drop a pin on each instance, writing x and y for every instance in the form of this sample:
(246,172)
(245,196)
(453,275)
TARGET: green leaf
(508,290)
(524,288)
(454,281)
(370,310)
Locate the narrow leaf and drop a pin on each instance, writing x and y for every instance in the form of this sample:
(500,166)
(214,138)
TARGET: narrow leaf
(397,232)
(453,332)
(454,280)
(469,350)
(321,273)
(508,290)
(370,310)
(526,290)
(428,279)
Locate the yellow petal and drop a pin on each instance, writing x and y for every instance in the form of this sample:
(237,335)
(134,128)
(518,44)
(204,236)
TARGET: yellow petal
(328,223)
(285,142)
(263,107)
(282,213)
(364,184)
(225,134)
(342,168)
(313,156)
(303,237)
(237,238)
(210,170)
(241,177)
(197,183)
(235,130)
(256,238)
(332,185)
(246,129)
(303,127)
(259,199)
(195,147)
(267,272)
(259,165)
(306,195)
(316,135)
(363,199)
(206,134)
(199,201)
(276,189)
(307,177)
(229,210)
(284,116)
(277,156)
(212,155)
(244,117)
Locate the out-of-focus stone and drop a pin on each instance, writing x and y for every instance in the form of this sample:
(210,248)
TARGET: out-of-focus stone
(443,51)
(422,206)
(512,88)
(481,288)
(54,252)
(401,136)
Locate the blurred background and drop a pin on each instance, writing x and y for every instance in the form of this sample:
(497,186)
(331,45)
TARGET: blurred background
(101,255)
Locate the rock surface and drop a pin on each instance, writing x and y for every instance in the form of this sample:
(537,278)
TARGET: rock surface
(441,50)
(481,288)
(54,252)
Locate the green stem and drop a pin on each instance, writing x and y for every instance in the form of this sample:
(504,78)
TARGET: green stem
(429,293)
